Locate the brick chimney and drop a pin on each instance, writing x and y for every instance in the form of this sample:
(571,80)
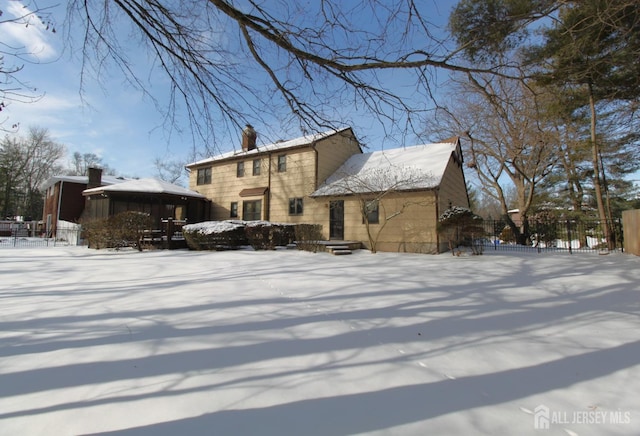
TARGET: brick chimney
(248,138)
(95,177)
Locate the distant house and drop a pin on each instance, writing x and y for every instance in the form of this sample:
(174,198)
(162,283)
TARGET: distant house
(64,202)
(70,199)
(161,200)
(326,178)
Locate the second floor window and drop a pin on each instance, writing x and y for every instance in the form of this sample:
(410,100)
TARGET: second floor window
(204,176)
(282,163)
(256,167)
(240,169)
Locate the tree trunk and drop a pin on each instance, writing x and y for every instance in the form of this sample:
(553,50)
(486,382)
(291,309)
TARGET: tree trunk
(595,155)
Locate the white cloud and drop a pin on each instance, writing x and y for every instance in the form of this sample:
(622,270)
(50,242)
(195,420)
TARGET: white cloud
(27,35)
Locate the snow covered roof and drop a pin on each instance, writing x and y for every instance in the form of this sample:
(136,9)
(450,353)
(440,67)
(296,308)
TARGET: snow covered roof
(408,168)
(82,180)
(275,146)
(147,186)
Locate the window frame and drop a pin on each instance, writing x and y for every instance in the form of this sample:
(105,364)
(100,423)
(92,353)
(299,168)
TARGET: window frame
(240,169)
(296,206)
(256,214)
(282,163)
(257,164)
(203,176)
(233,209)
(371,216)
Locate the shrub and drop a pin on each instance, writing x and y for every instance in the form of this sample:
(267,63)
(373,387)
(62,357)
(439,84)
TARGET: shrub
(308,237)
(96,233)
(232,234)
(215,235)
(263,235)
(461,226)
(260,235)
(125,229)
(284,234)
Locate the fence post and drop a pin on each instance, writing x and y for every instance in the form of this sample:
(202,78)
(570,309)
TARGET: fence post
(569,235)
(170,230)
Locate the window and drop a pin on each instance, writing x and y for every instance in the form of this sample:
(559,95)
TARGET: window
(233,209)
(370,210)
(240,169)
(204,176)
(251,210)
(295,206)
(282,163)
(256,167)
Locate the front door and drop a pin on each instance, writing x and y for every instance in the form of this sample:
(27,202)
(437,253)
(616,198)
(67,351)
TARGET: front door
(336,219)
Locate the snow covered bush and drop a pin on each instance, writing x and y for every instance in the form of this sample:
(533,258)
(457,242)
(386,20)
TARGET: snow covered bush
(232,234)
(460,226)
(215,235)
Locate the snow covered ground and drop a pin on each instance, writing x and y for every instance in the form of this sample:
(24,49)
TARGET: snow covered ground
(294,343)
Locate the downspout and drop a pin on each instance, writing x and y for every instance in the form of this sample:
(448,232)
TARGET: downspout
(437,191)
(59,205)
(268,199)
(315,176)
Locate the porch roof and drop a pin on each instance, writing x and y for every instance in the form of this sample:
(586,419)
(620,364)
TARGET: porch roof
(145,186)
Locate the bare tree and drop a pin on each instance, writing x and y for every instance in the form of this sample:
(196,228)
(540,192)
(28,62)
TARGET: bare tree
(81,162)
(172,171)
(229,63)
(26,163)
(506,140)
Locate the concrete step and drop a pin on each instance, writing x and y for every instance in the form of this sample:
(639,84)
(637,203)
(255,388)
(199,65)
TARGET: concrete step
(339,249)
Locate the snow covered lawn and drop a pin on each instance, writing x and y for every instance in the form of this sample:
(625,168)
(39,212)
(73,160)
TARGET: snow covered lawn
(294,343)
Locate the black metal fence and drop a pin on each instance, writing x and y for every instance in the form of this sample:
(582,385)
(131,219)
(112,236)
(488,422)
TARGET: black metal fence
(554,235)
(18,239)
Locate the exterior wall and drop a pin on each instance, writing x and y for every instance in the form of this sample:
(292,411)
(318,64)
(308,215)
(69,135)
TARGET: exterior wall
(225,186)
(453,189)
(298,181)
(631,229)
(73,202)
(50,207)
(333,152)
(413,230)
(307,167)
(71,206)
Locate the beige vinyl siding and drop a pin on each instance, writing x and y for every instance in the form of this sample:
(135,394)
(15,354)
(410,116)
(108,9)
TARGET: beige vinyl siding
(452,187)
(296,182)
(414,230)
(333,152)
(225,186)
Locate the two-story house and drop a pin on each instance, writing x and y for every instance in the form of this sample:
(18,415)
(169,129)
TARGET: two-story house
(326,179)
(273,182)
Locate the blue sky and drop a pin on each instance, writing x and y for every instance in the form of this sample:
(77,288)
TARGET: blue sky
(116,121)
(113,120)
